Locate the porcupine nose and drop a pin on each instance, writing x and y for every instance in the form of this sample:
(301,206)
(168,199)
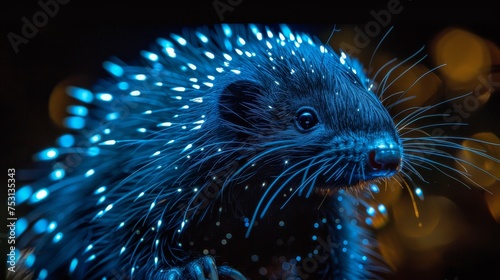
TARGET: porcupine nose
(383,160)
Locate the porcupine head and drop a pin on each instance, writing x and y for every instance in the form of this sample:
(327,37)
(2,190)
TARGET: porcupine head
(234,150)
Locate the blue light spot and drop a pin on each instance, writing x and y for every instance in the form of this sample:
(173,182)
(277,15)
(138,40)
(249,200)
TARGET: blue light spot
(39,195)
(100,190)
(123,85)
(89,247)
(107,131)
(121,225)
(140,77)
(419,193)
(364,258)
(122,250)
(202,37)
(73,265)
(345,242)
(23,194)
(101,199)
(382,208)
(104,96)
(339,227)
(241,42)
(374,188)
(314,237)
(21,226)
(370,211)
(210,55)
(52,226)
(30,260)
(142,130)
(40,226)
(91,258)
(340,198)
(179,39)
(109,142)
(112,116)
(95,138)
(298,258)
(149,55)
(66,140)
(344,249)
(74,122)
(43,274)
(316,225)
(93,151)
(227,30)
(365,242)
(81,94)
(113,68)
(89,173)
(77,110)
(369,221)
(57,174)
(57,237)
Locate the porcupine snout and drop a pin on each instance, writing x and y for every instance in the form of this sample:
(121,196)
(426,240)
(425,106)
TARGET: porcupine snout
(383,159)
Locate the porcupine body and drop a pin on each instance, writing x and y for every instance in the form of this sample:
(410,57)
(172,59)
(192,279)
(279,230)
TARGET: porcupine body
(237,142)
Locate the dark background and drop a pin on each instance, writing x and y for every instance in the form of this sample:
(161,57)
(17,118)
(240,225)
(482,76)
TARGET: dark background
(82,34)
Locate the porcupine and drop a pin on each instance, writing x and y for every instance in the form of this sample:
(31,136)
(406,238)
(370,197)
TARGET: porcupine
(231,149)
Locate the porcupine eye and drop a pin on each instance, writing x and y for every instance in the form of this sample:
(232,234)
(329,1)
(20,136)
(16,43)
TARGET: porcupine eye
(306,119)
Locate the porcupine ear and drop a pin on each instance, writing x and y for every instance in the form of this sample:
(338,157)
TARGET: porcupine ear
(237,101)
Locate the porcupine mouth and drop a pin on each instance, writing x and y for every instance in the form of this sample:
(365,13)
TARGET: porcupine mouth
(379,163)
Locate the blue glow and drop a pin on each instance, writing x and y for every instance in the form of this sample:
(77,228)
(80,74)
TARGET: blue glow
(88,248)
(96,138)
(107,131)
(30,260)
(57,174)
(74,122)
(104,96)
(202,37)
(109,142)
(113,68)
(66,140)
(40,226)
(140,77)
(316,225)
(57,237)
(365,242)
(241,41)
(47,154)
(123,85)
(179,39)
(286,31)
(339,227)
(374,188)
(80,93)
(81,111)
(89,173)
(228,45)
(112,116)
(227,30)
(101,199)
(419,193)
(382,208)
(52,226)
(93,151)
(21,226)
(23,194)
(122,250)
(43,274)
(91,258)
(39,195)
(210,55)
(149,55)
(298,258)
(73,265)
(100,190)
(370,211)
